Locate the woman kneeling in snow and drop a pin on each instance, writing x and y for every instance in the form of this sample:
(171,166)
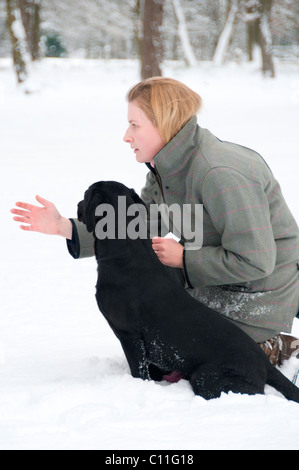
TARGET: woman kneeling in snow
(247,266)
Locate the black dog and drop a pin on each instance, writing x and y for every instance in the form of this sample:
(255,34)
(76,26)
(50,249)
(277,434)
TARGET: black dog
(160,326)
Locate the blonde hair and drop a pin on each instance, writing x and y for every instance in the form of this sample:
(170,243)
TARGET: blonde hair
(168,104)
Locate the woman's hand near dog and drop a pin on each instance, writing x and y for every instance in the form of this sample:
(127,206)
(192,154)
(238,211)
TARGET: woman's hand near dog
(44,219)
(169,251)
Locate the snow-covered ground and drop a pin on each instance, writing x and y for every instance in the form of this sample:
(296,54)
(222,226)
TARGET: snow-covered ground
(64,382)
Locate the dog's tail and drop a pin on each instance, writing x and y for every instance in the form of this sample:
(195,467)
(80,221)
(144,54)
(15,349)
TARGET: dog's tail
(283,385)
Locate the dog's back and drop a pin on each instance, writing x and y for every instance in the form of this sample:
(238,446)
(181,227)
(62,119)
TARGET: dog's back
(161,327)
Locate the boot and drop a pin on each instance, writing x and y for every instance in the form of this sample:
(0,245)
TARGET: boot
(280,348)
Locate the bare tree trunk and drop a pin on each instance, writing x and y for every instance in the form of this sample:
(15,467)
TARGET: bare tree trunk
(257,16)
(252,38)
(183,34)
(266,38)
(226,35)
(152,46)
(17,36)
(30,13)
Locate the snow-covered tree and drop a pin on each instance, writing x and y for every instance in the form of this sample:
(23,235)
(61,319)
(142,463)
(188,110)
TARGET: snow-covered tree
(183,33)
(18,39)
(226,35)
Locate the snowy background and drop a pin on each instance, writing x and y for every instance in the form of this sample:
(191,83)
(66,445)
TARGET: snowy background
(64,382)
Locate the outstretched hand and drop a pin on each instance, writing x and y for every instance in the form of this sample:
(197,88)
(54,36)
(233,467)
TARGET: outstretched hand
(44,219)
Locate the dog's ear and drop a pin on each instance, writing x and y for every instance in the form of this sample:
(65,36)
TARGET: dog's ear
(87,208)
(94,199)
(81,211)
(135,197)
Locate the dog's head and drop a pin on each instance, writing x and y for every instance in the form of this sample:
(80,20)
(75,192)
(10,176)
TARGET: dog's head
(103,192)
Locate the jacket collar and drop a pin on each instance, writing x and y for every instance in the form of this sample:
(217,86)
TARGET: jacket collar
(150,167)
(174,156)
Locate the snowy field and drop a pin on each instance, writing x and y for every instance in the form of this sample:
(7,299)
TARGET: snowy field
(64,382)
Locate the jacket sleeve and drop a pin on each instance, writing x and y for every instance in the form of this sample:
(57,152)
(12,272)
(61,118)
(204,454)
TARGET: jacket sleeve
(239,210)
(82,243)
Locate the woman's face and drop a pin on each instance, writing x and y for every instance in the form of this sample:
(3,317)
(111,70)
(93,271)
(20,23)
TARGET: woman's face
(142,135)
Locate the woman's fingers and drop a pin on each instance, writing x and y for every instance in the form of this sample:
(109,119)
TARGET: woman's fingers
(169,251)
(21,219)
(18,212)
(42,201)
(45,218)
(24,215)
(156,243)
(30,207)
(25,205)
(28,228)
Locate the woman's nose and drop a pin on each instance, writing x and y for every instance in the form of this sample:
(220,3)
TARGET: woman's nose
(127,137)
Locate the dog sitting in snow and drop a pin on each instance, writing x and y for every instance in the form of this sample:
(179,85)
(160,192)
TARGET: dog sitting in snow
(161,328)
